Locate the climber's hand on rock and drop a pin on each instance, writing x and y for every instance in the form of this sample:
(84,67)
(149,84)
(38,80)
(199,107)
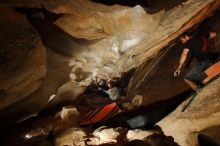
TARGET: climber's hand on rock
(176,73)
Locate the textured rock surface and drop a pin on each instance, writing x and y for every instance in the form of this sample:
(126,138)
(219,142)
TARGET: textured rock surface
(201,116)
(113,136)
(67,92)
(103,42)
(23,58)
(138,134)
(104,135)
(72,137)
(154,78)
(125,37)
(57,75)
(78,137)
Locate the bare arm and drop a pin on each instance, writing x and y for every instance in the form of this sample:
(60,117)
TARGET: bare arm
(183,58)
(182,61)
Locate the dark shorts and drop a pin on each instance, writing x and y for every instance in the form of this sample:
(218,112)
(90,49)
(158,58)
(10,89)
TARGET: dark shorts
(197,69)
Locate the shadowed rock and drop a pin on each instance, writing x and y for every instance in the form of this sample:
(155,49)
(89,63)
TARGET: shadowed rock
(23,58)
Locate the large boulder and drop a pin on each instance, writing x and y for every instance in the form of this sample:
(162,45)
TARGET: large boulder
(200,117)
(23,58)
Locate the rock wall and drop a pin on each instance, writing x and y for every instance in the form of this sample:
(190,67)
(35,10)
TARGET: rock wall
(125,36)
(23,58)
(154,79)
(200,117)
(103,42)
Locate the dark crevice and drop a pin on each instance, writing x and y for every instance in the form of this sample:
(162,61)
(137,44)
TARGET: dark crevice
(38,12)
(151,6)
(130,3)
(51,35)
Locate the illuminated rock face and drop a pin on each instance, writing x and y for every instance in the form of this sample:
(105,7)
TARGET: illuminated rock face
(125,37)
(201,117)
(117,136)
(118,38)
(23,58)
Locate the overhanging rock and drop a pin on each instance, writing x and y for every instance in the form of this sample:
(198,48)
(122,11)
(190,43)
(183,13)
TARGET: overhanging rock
(125,37)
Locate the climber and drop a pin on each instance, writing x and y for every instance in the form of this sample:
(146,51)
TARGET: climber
(107,88)
(198,48)
(113,91)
